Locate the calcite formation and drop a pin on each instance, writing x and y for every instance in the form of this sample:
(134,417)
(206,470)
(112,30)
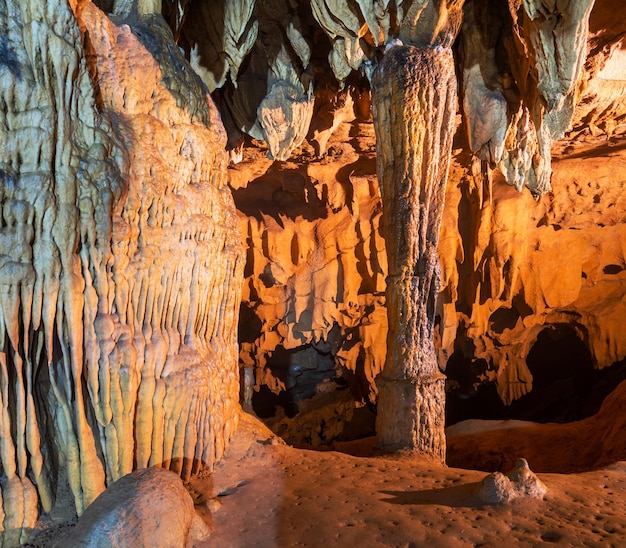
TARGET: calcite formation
(121,264)
(497,488)
(121,260)
(148,507)
(521,72)
(313,298)
(527,268)
(270,96)
(521,69)
(414,101)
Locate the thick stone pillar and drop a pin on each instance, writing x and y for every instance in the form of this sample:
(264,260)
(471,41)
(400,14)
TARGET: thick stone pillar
(414,102)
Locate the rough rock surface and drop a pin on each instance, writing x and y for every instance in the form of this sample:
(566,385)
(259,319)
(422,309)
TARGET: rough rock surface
(522,72)
(525,269)
(602,109)
(414,104)
(148,507)
(120,254)
(313,300)
(520,65)
(521,69)
(519,482)
(120,262)
(486,341)
(514,270)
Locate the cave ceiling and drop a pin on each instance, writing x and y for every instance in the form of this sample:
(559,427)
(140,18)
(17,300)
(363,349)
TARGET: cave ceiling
(519,66)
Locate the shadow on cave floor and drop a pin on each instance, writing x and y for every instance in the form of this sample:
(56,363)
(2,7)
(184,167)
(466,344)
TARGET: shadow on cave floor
(458,496)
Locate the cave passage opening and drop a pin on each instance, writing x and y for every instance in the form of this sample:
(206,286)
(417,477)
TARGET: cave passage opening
(301,370)
(566,387)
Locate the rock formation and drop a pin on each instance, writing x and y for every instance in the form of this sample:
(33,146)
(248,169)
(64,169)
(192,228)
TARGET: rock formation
(517,96)
(519,482)
(315,271)
(121,264)
(516,104)
(514,270)
(148,507)
(414,101)
(521,72)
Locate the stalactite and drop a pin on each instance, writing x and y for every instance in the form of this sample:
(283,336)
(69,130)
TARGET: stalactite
(521,65)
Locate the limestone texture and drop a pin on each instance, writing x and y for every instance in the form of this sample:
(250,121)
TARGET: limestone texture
(522,64)
(414,104)
(515,267)
(497,488)
(522,71)
(528,268)
(313,317)
(148,507)
(120,262)
(121,256)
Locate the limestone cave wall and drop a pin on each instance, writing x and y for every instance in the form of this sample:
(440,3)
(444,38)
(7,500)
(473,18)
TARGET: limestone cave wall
(120,263)
(313,317)
(514,268)
(126,238)
(515,264)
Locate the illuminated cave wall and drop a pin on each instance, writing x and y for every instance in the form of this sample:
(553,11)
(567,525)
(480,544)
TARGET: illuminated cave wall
(121,262)
(515,265)
(122,252)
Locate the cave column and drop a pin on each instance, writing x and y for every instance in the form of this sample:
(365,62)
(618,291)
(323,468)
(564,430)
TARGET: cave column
(414,103)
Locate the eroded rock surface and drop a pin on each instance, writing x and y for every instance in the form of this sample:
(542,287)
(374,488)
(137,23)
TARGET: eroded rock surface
(521,70)
(313,315)
(514,269)
(519,482)
(120,253)
(148,507)
(120,260)
(528,267)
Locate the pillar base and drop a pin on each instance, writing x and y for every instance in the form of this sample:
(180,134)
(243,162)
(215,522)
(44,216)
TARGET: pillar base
(411,415)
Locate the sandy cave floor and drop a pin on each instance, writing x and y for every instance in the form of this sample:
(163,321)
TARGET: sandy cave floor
(270,494)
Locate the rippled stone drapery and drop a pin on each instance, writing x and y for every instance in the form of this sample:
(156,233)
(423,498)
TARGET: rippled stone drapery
(521,64)
(119,259)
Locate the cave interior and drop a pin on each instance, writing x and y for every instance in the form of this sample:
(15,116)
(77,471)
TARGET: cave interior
(258,252)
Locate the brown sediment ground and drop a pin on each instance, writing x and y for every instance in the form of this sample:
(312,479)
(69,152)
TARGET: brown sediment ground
(271,494)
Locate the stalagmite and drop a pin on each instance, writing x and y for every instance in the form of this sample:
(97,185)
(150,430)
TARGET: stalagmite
(414,101)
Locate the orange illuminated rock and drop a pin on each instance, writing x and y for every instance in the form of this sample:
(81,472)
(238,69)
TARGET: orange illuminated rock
(315,275)
(148,507)
(120,260)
